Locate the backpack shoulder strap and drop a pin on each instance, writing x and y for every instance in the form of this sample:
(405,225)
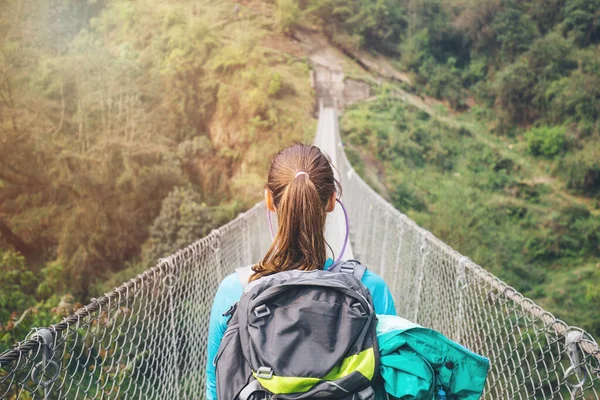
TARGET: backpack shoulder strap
(243,274)
(353,267)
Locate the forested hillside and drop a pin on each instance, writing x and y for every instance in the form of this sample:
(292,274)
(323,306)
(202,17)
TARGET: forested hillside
(131,128)
(127,131)
(500,157)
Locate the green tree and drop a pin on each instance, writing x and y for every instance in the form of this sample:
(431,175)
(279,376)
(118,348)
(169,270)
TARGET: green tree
(546,141)
(474,18)
(515,31)
(378,24)
(17,286)
(415,50)
(183,219)
(383,23)
(545,13)
(288,15)
(427,14)
(550,58)
(581,169)
(443,81)
(570,232)
(593,296)
(514,91)
(576,98)
(581,21)
(17,289)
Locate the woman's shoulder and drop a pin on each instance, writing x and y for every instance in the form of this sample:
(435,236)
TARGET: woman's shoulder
(382,297)
(371,280)
(230,286)
(231,280)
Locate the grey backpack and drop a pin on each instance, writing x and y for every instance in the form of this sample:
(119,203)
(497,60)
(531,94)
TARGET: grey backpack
(300,335)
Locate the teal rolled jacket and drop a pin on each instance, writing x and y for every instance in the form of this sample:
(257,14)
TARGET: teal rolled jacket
(420,363)
(230,291)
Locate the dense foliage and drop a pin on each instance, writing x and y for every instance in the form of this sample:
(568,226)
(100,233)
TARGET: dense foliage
(534,62)
(525,74)
(488,198)
(128,129)
(123,125)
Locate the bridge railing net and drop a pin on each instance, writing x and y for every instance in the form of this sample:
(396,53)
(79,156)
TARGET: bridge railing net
(147,338)
(533,355)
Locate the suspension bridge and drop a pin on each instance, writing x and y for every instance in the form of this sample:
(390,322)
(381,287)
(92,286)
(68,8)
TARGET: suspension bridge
(147,338)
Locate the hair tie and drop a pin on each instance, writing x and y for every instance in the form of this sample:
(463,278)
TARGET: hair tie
(301,173)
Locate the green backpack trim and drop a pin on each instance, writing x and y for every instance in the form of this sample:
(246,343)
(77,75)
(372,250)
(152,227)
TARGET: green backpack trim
(363,362)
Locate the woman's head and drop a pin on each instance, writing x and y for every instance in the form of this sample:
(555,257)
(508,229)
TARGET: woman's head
(301,189)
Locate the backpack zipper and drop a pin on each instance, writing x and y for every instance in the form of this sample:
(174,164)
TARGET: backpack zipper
(270,292)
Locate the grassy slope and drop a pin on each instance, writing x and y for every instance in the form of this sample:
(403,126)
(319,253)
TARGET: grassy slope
(485,196)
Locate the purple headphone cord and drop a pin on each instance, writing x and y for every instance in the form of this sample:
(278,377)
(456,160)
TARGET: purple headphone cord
(347,232)
(345,238)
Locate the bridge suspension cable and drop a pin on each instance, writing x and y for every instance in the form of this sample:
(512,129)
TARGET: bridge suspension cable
(147,338)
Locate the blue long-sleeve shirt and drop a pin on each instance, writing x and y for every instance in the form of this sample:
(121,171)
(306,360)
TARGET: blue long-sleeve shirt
(230,291)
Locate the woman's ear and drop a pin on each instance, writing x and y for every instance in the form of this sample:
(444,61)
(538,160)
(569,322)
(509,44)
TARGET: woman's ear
(331,202)
(269,200)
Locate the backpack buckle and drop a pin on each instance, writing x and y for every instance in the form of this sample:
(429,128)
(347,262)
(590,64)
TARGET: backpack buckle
(231,310)
(366,394)
(347,268)
(358,307)
(264,373)
(262,311)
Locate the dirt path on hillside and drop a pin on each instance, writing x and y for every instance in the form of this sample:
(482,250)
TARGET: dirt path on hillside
(328,74)
(331,85)
(329,79)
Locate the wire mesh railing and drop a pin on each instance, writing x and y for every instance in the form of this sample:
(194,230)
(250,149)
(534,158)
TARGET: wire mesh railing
(147,338)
